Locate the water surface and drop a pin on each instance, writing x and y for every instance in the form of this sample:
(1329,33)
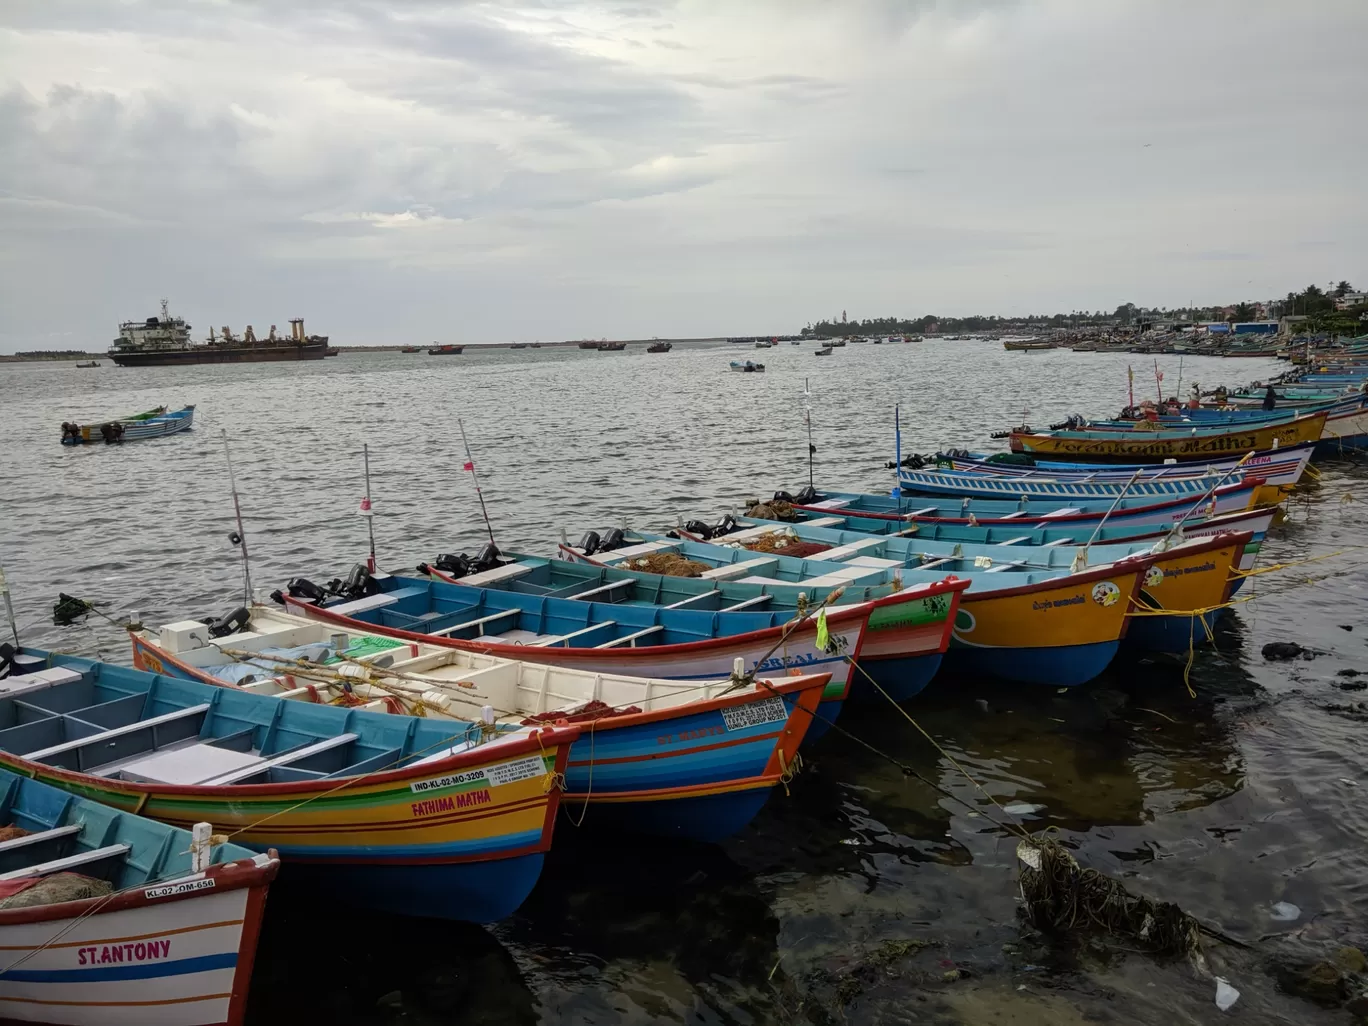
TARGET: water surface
(1252,793)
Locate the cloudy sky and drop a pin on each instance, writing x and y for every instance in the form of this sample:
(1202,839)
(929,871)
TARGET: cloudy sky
(418,170)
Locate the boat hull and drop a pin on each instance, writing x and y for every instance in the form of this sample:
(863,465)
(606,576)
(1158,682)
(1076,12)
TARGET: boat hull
(224,354)
(1062,634)
(1193,586)
(1277,467)
(1134,446)
(135,960)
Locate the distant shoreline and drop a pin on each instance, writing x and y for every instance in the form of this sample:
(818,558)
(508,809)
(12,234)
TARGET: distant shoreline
(393,347)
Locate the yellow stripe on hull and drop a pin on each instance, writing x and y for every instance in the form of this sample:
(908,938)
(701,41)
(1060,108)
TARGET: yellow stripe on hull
(1067,613)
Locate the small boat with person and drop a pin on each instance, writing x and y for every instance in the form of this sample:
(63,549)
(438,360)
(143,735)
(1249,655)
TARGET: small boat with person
(85,366)
(747,366)
(659,347)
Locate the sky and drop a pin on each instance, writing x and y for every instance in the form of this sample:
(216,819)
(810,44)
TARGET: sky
(415,170)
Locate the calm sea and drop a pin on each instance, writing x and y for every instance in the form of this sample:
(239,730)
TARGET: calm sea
(1249,795)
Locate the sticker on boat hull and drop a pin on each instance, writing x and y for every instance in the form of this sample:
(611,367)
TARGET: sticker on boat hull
(180,888)
(488,776)
(1154,577)
(1105,593)
(739,717)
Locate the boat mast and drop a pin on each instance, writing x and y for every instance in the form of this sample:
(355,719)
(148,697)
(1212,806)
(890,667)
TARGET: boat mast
(470,466)
(366,510)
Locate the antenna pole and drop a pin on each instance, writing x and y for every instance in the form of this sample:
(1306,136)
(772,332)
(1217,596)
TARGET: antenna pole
(366,510)
(470,466)
(241,534)
(9,607)
(807,418)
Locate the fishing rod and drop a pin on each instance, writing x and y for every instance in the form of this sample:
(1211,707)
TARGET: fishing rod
(1177,530)
(1080,561)
(366,510)
(470,466)
(238,537)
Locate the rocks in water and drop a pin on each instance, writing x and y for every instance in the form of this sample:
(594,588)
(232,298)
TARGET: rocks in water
(1320,982)
(1352,685)
(1351,960)
(1276,650)
(1349,673)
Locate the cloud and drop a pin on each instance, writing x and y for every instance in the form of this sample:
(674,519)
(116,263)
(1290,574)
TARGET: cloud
(556,168)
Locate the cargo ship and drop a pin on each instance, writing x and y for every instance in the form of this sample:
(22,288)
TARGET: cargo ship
(165,341)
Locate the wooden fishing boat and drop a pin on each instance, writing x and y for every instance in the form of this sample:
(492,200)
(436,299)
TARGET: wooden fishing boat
(109,917)
(747,366)
(666,757)
(960,483)
(1010,344)
(1127,511)
(1044,627)
(87,366)
(153,424)
(611,347)
(824,351)
(1279,467)
(401,813)
(410,349)
(1200,574)
(659,347)
(1130,447)
(901,652)
(640,641)
(447,350)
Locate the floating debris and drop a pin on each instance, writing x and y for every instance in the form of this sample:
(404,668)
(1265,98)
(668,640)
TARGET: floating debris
(1061,896)
(1285,912)
(1226,995)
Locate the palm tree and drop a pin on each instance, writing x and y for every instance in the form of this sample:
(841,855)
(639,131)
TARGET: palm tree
(1342,288)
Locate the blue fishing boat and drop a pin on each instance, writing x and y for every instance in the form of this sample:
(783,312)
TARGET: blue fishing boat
(658,756)
(1278,467)
(962,483)
(1127,511)
(139,427)
(998,629)
(406,814)
(155,921)
(642,641)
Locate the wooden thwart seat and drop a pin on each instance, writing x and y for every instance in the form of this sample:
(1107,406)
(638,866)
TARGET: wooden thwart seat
(626,638)
(610,586)
(693,598)
(747,603)
(41,837)
(117,732)
(559,638)
(82,859)
(476,623)
(282,760)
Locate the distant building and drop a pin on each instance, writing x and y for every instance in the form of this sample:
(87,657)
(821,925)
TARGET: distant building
(1255,327)
(1351,299)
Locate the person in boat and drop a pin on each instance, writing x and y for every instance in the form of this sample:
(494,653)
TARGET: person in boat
(1270,399)
(1149,411)
(1195,400)
(1172,406)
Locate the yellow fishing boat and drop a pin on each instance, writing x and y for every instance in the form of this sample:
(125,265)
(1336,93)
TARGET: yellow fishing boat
(1144,446)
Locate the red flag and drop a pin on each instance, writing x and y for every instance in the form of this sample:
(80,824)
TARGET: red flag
(365,505)
(468,466)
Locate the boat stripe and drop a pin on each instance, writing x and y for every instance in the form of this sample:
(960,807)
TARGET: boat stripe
(143,971)
(121,940)
(119,1004)
(648,757)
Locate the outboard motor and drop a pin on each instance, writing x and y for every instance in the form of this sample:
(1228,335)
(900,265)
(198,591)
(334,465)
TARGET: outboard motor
(487,558)
(699,528)
(782,496)
(589,544)
(806,497)
(6,659)
(235,621)
(453,566)
(724,526)
(612,540)
(302,587)
(357,585)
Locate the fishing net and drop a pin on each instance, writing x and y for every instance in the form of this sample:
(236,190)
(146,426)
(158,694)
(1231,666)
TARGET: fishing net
(785,545)
(670,564)
(52,890)
(1013,459)
(9,833)
(775,509)
(1063,897)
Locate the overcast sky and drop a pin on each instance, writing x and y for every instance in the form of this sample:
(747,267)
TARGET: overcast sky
(415,170)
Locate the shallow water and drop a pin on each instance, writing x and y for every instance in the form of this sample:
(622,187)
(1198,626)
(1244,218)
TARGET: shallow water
(1251,794)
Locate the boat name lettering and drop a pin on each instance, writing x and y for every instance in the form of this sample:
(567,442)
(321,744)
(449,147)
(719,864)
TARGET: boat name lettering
(688,735)
(1076,600)
(451,802)
(179,888)
(152,664)
(801,659)
(739,717)
(1179,571)
(143,951)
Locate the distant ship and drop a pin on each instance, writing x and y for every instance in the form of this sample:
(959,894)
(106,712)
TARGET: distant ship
(165,341)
